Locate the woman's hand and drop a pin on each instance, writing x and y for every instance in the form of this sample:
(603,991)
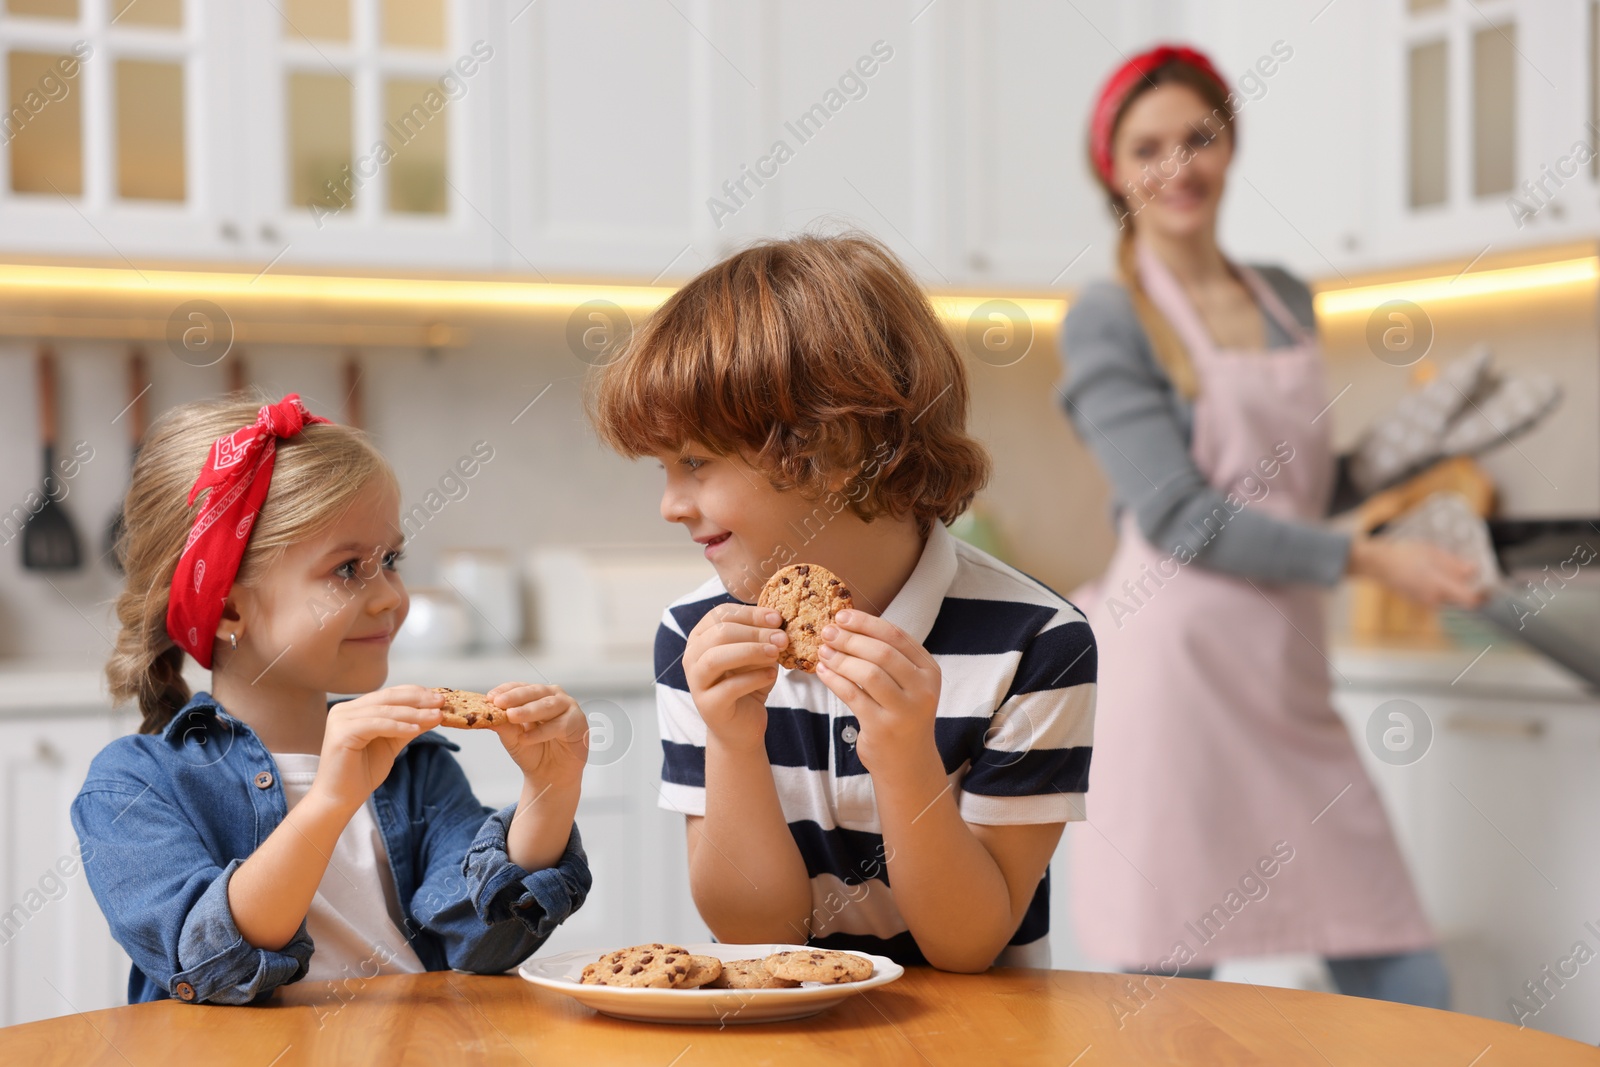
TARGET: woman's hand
(731,662)
(548,735)
(1416,570)
(892,685)
(362,738)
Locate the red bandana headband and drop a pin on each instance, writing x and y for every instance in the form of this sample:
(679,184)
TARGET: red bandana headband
(238,471)
(1122,82)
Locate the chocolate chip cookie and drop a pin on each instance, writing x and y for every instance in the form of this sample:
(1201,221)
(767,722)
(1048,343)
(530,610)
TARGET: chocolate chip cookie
(703,971)
(819,965)
(808,597)
(654,966)
(748,974)
(469,711)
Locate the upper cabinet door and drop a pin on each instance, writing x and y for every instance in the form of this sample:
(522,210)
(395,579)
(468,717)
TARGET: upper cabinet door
(368,125)
(1022,77)
(611,108)
(649,140)
(1491,139)
(115,143)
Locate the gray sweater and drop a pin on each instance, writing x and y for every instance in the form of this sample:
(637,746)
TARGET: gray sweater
(1125,408)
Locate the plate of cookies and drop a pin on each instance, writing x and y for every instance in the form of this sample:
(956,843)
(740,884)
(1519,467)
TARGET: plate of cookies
(710,982)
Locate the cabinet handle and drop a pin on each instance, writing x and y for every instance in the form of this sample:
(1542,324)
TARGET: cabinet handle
(1485,726)
(45,752)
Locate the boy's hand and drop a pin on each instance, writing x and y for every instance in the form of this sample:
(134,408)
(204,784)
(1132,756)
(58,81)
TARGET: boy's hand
(364,735)
(731,662)
(548,735)
(892,685)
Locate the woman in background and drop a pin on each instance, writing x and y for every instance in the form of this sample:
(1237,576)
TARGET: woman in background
(1232,816)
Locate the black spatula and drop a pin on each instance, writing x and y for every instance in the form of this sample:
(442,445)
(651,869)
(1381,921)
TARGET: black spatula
(49,540)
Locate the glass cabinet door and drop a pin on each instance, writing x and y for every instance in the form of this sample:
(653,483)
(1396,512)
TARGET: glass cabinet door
(112,144)
(1484,134)
(373,120)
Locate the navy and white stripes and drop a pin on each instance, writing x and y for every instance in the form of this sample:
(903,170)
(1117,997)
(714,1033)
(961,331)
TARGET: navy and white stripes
(1014,727)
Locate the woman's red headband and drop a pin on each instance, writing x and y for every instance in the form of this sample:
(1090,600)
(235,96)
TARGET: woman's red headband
(1123,81)
(238,471)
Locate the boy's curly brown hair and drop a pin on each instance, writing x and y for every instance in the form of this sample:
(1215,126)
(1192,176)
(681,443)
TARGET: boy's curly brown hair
(812,358)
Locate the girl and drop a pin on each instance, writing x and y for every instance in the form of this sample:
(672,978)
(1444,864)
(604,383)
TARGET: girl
(257,835)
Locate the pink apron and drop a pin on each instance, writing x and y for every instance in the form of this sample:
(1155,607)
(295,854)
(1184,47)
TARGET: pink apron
(1229,814)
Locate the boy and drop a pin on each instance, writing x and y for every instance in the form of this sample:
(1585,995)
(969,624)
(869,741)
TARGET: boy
(808,406)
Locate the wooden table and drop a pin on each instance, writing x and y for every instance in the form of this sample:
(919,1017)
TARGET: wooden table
(1004,1017)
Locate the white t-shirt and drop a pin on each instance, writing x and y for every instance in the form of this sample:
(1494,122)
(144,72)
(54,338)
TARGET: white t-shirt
(355,918)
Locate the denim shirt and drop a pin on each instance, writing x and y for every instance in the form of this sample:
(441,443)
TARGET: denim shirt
(165,819)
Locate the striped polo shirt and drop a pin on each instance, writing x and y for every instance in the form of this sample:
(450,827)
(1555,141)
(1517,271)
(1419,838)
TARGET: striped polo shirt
(1014,727)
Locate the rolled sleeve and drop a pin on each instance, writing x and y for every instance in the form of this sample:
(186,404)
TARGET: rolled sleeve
(487,914)
(501,891)
(219,965)
(166,899)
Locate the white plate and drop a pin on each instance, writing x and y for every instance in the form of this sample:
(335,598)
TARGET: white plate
(722,1006)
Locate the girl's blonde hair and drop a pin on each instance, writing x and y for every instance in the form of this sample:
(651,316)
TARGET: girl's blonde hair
(317,476)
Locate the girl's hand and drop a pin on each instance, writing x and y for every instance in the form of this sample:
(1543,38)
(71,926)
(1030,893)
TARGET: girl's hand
(1416,570)
(731,662)
(362,738)
(891,683)
(548,735)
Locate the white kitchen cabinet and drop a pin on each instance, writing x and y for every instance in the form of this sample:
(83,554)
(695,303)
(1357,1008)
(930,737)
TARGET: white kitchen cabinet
(56,952)
(1495,821)
(370,138)
(609,111)
(118,138)
(1023,209)
(1470,110)
(612,139)
(698,127)
(197,130)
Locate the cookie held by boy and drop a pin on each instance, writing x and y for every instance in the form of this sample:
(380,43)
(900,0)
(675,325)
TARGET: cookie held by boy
(469,711)
(808,597)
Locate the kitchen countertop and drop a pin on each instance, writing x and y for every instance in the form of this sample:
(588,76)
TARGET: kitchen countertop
(29,686)
(1506,670)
